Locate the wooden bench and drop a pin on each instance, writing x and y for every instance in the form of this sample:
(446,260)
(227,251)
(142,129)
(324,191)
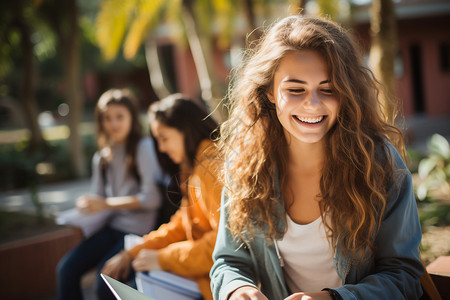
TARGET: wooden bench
(28,266)
(439,271)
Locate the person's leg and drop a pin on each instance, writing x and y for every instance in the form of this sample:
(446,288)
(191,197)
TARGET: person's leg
(80,260)
(101,289)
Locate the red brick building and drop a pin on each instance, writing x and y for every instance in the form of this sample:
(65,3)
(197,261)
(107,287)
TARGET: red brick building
(422,66)
(423,62)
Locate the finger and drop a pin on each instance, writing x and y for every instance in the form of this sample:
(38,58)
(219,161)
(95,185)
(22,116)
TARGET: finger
(111,272)
(135,264)
(126,272)
(142,254)
(105,270)
(139,265)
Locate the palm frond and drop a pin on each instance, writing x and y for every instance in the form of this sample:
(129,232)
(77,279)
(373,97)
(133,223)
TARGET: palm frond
(226,11)
(111,24)
(148,16)
(329,8)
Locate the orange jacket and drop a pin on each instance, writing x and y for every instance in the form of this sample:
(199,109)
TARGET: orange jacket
(186,243)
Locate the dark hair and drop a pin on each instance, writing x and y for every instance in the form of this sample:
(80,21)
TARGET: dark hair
(125,98)
(187,117)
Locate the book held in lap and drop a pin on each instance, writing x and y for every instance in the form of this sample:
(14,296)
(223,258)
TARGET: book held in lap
(164,285)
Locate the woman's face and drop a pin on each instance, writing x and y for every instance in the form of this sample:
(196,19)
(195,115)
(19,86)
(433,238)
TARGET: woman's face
(170,141)
(116,121)
(302,93)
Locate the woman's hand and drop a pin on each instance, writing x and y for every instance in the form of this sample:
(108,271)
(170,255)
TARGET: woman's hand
(323,295)
(91,204)
(118,266)
(247,293)
(146,260)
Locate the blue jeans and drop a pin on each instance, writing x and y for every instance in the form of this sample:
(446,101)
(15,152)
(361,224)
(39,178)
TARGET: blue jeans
(90,253)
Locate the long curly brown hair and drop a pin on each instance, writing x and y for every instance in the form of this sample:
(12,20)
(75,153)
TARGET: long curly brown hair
(353,190)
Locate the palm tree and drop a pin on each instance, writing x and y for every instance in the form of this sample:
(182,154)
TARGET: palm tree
(63,19)
(75,98)
(329,8)
(18,18)
(137,19)
(383,51)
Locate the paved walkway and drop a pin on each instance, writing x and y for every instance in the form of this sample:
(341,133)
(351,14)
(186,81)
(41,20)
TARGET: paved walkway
(54,197)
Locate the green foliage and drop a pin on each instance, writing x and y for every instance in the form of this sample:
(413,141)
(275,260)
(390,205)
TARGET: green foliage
(414,157)
(434,214)
(329,8)
(434,170)
(226,13)
(20,168)
(112,21)
(131,21)
(17,225)
(24,169)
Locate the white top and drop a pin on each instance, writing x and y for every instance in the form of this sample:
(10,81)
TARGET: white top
(308,257)
(119,182)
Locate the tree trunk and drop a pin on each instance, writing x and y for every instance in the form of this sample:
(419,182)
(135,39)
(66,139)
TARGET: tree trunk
(383,52)
(297,7)
(75,97)
(28,86)
(202,53)
(157,78)
(249,9)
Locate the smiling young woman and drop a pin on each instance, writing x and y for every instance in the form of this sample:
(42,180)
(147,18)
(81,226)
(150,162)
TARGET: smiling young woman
(317,197)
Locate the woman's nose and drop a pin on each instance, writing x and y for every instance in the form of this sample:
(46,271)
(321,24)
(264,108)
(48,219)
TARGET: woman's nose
(161,147)
(312,99)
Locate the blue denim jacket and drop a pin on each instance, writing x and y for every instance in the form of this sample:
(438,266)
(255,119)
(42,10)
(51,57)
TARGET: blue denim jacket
(392,271)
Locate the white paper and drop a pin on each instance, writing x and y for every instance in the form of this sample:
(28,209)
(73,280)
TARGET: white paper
(89,223)
(130,240)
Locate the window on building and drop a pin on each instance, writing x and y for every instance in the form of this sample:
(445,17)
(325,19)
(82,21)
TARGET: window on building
(166,59)
(399,69)
(444,56)
(415,53)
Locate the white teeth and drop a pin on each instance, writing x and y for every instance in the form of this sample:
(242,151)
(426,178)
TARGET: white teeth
(309,119)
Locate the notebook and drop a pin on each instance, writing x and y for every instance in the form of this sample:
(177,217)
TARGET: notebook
(165,285)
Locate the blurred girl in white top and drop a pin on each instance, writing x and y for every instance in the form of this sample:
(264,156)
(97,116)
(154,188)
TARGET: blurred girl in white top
(125,173)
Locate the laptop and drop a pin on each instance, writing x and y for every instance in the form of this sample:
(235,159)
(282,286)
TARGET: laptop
(122,291)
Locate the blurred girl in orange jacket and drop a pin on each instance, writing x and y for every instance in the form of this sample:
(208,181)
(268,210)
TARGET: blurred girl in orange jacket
(185,244)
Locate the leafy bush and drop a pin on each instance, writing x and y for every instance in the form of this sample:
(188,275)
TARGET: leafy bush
(434,170)
(20,168)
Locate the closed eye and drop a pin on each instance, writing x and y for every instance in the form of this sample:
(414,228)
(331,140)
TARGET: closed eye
(327,91)
(296,91)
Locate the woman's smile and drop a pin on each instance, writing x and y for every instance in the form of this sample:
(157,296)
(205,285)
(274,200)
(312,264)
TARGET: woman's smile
(309,120)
